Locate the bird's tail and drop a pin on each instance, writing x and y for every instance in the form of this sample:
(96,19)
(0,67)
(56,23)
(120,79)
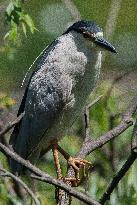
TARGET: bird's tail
(15,144)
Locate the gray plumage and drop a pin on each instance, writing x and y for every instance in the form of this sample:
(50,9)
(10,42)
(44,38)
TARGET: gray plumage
(63,78)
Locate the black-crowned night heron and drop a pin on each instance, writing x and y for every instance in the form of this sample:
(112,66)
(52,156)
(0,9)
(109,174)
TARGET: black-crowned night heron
(63,78)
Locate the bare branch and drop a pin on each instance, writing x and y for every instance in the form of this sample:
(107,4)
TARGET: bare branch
(126,122)
(121,173)
(86,118)
(134,138)
(5,173)
(47,178)
(8,186)
(91,145)
(87,148)
(72,192)
(94,102)
(11,125)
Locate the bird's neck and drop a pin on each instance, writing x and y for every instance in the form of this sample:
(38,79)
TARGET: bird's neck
(83,53)
(82,61)
(81,43)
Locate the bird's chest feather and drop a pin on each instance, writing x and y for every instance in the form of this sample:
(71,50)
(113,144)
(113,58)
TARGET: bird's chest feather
(84,74)
(77,84)
(59,90)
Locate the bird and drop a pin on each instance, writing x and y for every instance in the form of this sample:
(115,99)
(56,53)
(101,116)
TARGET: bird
(64,76)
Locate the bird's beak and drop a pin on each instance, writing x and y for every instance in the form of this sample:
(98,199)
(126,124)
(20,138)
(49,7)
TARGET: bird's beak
(105,44)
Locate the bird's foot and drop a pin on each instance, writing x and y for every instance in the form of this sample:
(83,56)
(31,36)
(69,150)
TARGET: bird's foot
(78,165)
(72,180)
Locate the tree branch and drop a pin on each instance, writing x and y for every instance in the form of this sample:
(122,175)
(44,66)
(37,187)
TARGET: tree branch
(47,178)
(71,191)
(11,125)
(91,145)
(87,148)
(126,122)
(134,138)
(5,173)
(86,118)
(121,173)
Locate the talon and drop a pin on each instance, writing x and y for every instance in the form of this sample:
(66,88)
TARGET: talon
(73,181)
(72,162)
(69,179)
(77,163)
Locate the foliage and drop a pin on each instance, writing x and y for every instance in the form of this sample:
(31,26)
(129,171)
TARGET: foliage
(16,17)
(6,101)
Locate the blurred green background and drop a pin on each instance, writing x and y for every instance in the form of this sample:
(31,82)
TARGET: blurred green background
(119,22)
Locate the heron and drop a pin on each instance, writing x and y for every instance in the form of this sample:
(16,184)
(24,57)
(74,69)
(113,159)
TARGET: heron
(64,76)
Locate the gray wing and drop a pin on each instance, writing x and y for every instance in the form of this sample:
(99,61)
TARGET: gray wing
(43,102)
(38,63)
(41,111)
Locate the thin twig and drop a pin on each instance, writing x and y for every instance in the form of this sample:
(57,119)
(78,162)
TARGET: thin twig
(8,186)
(86,118)
(134,138)
(94,102)
(11,125)
(5,173)
(121,173)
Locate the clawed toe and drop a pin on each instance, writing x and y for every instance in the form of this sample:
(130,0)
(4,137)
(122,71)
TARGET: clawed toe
(77,163)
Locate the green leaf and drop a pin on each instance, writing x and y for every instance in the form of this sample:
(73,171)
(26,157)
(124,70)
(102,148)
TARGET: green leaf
(24,29)
(7,35)
(28,20)
(12,33)
(9,8)
(6,101)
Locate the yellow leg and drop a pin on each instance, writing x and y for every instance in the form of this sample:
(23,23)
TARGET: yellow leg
(76,163)
(56,160)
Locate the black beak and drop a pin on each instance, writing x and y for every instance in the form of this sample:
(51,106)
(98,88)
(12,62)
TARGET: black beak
(105,44)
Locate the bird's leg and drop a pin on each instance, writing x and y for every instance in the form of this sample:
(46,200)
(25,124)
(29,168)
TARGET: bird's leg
(76,163)
(56,160)
(58,192)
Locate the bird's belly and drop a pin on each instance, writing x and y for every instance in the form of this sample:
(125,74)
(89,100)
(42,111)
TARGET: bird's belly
(82,86)
(67,118)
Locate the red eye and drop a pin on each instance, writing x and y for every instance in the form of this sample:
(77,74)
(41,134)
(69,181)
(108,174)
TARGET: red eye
(86,35)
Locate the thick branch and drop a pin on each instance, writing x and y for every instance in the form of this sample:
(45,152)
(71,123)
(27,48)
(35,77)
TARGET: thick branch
(5,173)
(47,178)
(91,145)
(71,191)
(126,122)
(87,147)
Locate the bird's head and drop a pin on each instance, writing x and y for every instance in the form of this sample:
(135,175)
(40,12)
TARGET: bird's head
(92,33)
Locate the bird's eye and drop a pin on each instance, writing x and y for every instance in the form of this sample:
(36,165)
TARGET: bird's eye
(86,35)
